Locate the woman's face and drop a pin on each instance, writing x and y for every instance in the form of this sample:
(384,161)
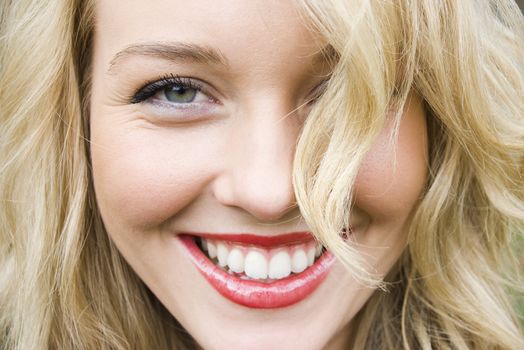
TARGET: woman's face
(195,112)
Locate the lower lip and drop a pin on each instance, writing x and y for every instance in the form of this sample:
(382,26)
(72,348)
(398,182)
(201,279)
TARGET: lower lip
(260,295)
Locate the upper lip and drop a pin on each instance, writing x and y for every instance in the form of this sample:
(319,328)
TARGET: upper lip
(258,240)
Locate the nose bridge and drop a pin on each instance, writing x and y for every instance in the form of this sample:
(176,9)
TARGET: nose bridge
(258,178)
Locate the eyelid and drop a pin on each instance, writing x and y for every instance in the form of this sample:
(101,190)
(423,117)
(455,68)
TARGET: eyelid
(317,91)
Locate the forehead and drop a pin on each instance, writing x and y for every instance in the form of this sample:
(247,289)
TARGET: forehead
(245,32)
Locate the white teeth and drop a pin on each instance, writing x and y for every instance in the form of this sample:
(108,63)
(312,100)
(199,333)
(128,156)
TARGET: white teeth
(310,255)
(235,260)
(280,265)
(318,250)
(211,249)
(299,261)
(255,265)
(252,262)
(222,254)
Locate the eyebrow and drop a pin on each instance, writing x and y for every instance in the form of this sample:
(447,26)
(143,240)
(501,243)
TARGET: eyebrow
(171,51)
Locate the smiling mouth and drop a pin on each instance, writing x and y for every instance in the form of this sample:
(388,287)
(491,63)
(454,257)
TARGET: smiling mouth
(266,265)
(258,271)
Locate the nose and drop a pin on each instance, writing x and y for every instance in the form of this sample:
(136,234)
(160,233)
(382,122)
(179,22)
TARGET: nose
(257,175)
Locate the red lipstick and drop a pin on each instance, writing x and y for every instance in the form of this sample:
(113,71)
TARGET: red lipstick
(257,294)
(261,241)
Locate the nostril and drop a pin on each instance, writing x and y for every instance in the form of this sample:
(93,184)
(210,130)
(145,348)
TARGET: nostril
(267,204)
(266,196)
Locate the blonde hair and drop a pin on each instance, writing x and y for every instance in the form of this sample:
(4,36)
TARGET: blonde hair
(64,285)
(466,60)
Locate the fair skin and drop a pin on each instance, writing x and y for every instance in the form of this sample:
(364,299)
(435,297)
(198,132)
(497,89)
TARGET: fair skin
(224,164)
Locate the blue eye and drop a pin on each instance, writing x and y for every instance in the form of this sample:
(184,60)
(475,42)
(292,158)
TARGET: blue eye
(180,94)
(171,89)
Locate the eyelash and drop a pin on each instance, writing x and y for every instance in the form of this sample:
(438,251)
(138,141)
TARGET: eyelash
(317,92)
(151,88)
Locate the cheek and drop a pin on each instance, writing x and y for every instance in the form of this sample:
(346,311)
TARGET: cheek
(142,176)
(392,176)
